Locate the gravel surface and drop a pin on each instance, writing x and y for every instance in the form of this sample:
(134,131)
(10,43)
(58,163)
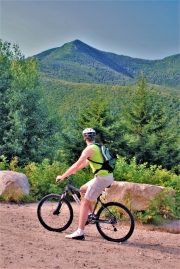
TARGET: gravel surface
(25,244)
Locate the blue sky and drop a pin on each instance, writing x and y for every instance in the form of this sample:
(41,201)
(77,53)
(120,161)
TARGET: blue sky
(140,29)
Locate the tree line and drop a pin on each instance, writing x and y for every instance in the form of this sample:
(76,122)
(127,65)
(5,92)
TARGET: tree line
(145,126)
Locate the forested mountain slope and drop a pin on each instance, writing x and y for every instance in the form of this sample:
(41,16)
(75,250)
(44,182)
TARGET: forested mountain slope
(78,62)
(70,97)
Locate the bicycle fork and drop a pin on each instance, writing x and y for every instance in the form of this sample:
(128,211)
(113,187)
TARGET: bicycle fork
(57,210)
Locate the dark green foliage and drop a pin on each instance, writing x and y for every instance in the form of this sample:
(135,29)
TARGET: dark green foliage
(78,62)
(130,121)
(42,181)
(68,98)
(98,115)
(161,208)
(151,128)
(27,130)
(5,78)
(133,121)
(42,178)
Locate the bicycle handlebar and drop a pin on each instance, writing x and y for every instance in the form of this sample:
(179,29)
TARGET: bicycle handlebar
(69,180)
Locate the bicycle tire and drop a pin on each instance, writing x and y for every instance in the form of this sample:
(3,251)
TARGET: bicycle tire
(53,218)
(115,222)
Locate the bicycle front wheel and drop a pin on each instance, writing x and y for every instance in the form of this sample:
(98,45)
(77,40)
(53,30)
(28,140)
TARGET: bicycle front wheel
(115,222)
(55,214)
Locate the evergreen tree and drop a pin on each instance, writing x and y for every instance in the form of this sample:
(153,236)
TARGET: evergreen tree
(5,78)
(151,128)
(25,127)
(97,115)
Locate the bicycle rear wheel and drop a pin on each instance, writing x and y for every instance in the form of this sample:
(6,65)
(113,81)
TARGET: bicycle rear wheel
(55,214)
(115,222)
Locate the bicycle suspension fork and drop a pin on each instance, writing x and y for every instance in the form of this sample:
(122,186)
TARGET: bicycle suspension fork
(56,211)
(75,197)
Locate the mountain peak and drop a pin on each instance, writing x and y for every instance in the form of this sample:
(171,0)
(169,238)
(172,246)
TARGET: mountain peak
(78,62)
(77,41)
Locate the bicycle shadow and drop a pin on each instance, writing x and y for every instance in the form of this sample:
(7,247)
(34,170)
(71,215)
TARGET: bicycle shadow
(133,244)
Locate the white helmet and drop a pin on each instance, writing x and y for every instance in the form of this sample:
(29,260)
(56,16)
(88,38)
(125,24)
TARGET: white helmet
(89,133)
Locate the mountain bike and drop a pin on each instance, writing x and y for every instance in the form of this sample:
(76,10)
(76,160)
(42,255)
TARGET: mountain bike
(114,221)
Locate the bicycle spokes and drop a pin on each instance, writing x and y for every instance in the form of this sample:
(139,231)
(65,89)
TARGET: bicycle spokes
(55,213)
(115,222)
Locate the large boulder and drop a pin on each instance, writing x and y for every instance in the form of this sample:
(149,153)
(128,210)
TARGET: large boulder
(134,195)
(10,180)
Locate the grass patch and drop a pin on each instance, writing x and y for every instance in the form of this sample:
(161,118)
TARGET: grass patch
(17,197)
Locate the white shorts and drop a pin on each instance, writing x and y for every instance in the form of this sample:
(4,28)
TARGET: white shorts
(96,186)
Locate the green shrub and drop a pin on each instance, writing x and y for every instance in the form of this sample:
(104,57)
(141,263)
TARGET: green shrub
(42,177)
(4,165)
(16,196)
(153,175)
(141,173)
(42,181)
(161,207)
(12,165)
(132,172)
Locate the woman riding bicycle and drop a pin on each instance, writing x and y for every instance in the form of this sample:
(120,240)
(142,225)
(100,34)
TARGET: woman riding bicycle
(93,188)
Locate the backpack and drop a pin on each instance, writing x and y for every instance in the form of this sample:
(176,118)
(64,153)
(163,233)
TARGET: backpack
(109,160)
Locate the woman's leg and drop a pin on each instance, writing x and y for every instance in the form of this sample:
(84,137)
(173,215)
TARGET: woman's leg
(83,214)
(84,189)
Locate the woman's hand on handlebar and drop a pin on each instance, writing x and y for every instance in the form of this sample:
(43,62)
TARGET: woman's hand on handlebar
(58,178)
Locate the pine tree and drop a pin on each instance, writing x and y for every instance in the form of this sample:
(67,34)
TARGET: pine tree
(25,127)
(151,128)
(97,115)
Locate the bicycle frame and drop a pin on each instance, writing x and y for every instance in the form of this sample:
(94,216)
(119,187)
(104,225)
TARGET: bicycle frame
(109,217)
(71,189)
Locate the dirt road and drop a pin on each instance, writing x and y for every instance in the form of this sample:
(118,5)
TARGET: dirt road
(25,244)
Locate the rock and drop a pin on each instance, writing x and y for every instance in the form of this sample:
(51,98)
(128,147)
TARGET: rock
(134,195)
(10,180)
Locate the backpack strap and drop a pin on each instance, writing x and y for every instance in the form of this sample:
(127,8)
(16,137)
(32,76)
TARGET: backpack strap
(93,161)
(98,145)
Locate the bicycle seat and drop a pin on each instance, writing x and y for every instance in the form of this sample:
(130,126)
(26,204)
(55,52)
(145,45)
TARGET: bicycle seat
(107,187)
